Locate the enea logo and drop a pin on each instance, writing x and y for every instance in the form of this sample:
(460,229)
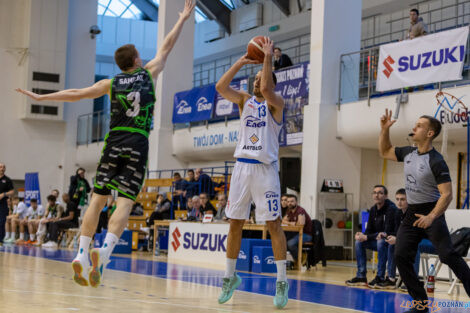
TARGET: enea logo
(203,105)
(256,259)
(122,242)
(242,255)
(183,108)
(176,239)
(269,260)
(388,68)
(271,195)
(254,122)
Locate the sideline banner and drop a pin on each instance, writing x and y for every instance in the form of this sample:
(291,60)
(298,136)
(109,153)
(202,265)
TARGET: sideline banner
(432,58)
(194,105)
(197,242)
(31,188)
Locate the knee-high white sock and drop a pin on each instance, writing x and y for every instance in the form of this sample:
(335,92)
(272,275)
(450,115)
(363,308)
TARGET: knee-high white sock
(84,245)
(32,237)
(230,267)
(13,235)
(281,270)
(7,235)
(21,236)
(109,243)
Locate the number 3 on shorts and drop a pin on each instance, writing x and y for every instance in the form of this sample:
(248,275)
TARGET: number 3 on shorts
(273,205)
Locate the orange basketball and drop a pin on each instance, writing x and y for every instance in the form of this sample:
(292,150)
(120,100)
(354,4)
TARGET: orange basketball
(255,49)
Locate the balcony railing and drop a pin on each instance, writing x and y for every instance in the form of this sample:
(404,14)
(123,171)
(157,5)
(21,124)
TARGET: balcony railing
(92,127)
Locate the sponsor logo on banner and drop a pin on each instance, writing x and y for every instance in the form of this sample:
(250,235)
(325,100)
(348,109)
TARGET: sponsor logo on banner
(269,260)
(224,107)
(203,104)
(450,111)
(256,259)
(204,241)
(242,255)
(183,107)
(176,239)
(122,242)
(436,57)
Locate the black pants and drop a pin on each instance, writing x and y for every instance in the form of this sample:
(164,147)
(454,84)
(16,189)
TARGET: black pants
(3,220)
(408,238)
(54,228)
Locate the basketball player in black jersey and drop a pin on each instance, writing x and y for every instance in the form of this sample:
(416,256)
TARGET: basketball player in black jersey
(124,158)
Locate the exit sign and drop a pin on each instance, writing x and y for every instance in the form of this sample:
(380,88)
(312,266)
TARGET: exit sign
(274,28)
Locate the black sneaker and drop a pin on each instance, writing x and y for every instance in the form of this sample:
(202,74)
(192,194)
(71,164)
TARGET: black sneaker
(403,288)
(375,281)
(386,284)
(357,281)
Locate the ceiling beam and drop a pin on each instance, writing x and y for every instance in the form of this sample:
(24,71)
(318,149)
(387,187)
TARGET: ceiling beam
(217,11)
(147,7)
(283,5)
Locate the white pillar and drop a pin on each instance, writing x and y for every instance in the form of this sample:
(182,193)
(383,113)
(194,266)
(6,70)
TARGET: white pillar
(176,76)
(80,73)
(335,29)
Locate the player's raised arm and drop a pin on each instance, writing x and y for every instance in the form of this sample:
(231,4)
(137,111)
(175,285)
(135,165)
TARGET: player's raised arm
(223,85)
(386,150)
(99,89)
(267,82)
(156,65)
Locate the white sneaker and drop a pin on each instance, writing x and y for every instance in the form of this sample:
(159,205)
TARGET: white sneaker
(50,244)
(81,266)
(98,264)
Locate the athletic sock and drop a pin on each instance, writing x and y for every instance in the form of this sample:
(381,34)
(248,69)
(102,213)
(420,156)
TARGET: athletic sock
(13,235)
(230,267)
(7,235)
(108,245)
(83,247)
(21,236)
(281,270)
(32,237)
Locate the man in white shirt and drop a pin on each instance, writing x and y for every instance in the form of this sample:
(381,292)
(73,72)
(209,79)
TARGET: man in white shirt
(34,215)
(17,218)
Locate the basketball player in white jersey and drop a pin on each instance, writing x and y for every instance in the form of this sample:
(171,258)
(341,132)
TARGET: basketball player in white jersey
(255,175)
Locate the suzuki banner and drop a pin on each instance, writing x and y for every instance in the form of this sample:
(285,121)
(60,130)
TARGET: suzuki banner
(194,105)
(198,243)
(432,58)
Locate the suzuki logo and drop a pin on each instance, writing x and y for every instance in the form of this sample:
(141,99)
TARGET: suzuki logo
(176,242)
(388,68)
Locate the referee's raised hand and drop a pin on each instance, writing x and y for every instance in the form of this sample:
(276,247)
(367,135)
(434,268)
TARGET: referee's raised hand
(386,120)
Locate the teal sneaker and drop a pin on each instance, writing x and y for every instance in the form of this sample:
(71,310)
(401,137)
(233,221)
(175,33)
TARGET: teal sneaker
(281,297)
(228,287)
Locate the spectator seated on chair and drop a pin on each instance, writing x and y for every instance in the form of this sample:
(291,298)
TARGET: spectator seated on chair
(53,211)
(178,198)
(196,213)
(283,205)
(381,222)
(206,184)
(206,205)
(58,224)
(21,222)
(137,209)
(34,215)
(297,216)
(221,206)
(191,186)
(162,210)
(13,220)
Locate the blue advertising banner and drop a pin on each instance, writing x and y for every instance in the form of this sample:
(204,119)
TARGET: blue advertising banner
(224,107)
(194,105)
(293,86)
(31,188)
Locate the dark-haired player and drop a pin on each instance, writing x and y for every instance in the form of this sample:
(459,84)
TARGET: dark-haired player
(429,193)
(124,158)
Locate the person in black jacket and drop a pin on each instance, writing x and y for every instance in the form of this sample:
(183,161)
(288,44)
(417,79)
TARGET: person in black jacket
(381,222)
(281,60)
(79,188)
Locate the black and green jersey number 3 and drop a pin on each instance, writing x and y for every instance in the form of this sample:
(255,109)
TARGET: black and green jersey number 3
(140,114)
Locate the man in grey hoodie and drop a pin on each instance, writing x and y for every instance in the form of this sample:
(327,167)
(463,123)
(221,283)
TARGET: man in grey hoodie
(417,26)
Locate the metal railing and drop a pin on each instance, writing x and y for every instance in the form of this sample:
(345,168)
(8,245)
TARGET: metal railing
(92,127)
(358,76)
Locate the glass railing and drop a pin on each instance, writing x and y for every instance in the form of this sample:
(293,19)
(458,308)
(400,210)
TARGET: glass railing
(358,76)
(92,127)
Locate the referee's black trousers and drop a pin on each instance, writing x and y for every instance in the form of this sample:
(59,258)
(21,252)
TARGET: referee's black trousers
(408,238)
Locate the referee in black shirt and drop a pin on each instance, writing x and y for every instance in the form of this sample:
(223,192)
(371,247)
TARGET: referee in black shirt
(429,193)
(6,190)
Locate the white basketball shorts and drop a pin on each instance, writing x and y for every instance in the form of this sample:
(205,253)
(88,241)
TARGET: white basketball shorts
(258,183)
